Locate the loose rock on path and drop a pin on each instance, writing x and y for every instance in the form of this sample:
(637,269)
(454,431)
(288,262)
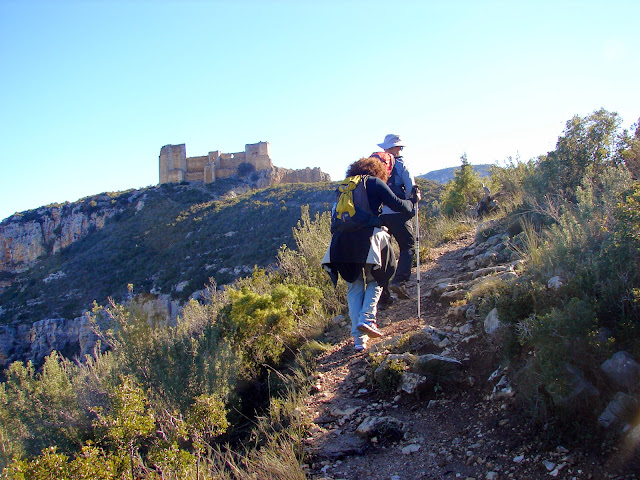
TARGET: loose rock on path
(473,428)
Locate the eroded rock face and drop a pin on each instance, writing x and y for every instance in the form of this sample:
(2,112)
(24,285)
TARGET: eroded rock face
(33,343)
(303,175)
(20,245)
(74,337)
(26,237)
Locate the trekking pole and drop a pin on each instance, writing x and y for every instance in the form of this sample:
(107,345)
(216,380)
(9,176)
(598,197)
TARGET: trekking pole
(417,252)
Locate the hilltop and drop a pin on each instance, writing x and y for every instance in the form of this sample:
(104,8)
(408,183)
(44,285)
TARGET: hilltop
(445,175)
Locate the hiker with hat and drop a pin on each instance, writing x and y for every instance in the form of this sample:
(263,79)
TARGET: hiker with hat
(360,250)
(399,223)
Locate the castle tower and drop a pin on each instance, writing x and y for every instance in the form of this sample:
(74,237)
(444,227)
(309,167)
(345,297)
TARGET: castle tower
(173,163)
(258,155)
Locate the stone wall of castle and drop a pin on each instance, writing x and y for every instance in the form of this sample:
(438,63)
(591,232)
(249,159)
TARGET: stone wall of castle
(176,167)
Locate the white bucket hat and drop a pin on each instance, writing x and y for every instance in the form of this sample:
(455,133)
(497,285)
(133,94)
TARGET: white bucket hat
(391,140)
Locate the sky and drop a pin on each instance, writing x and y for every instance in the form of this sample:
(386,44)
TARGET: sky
(90,90)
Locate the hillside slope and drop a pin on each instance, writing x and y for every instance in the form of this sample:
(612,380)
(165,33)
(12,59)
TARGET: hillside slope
(166,242)
(170,240)
(444,175)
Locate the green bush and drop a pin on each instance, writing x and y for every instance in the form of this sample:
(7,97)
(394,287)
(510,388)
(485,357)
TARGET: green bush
(587,143)
(463,192)
(40,409)
(390,378)
(174,363)
(265,324)
(303,265)
(560,338)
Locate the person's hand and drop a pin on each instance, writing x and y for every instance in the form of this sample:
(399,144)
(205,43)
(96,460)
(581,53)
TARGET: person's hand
(416,194)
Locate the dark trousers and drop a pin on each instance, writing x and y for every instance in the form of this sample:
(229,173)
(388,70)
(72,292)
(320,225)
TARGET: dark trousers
(402,231)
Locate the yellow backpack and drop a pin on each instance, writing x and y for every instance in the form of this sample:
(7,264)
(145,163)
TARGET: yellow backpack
(351,210)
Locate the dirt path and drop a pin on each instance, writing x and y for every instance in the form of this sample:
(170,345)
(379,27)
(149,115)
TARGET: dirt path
(462,432)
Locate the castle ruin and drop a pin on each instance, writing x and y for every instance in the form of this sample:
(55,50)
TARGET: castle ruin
(176,167)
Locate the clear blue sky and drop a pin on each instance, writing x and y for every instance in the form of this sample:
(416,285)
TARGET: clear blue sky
(91,90)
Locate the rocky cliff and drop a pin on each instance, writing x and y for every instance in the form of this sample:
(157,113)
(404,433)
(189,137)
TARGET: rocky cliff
(27,236)
(55,261)
(305,175)
(278,176)
(71,337)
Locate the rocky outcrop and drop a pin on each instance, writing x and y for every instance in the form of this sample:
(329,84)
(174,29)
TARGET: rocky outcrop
(33,343)
(73,337)
(27,236)
(304,175)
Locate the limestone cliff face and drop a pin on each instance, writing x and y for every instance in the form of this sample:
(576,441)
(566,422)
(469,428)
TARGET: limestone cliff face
(70,337)
(278,175)
(27,236)
(35,342)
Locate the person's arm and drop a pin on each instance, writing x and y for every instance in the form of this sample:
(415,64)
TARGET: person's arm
(380,193)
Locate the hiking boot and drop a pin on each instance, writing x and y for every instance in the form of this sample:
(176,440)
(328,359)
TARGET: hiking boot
(384,304)
(399,289)
(370,328)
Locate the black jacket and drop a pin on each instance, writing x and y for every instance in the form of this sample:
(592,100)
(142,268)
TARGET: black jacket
(350,251)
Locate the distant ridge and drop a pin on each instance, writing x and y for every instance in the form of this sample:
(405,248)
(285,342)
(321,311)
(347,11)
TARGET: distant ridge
(444,175)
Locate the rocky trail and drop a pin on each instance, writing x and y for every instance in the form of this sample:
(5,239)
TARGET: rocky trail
(429,428)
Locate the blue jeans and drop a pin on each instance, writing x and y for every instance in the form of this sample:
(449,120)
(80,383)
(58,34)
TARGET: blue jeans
(362,298)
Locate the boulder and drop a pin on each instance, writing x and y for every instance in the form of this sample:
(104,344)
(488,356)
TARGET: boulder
(581,390)
(334,447)
(619,410)
(387,428)
(412,383)
(442,369)
(622,370)
(452,296)
(492,323)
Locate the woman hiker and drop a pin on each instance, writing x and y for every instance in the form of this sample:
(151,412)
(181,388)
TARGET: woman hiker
(363,255)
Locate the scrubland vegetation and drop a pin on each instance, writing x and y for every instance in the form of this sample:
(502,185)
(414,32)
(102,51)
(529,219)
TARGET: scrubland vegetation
(219,394)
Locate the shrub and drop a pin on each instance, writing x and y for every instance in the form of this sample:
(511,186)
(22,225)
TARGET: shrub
(264,324)
(586,143)
(464,191)
(303,265)
(175,363)
(561,338)
(129,421)
(390,378)
(41,408)
(245,169)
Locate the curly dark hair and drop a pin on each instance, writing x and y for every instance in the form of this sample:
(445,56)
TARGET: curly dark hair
(369,166)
